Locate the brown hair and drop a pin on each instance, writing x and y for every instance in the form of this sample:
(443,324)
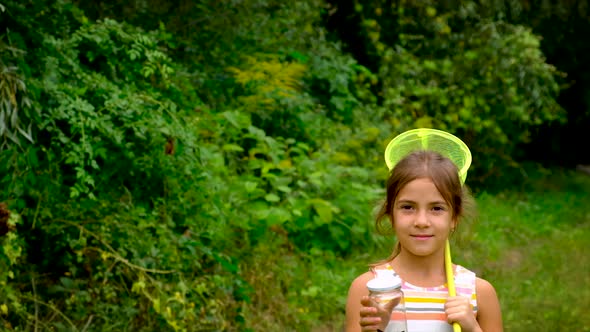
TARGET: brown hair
(424,164)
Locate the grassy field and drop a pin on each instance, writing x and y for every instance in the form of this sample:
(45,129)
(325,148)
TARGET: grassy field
(532,245)
(531,242)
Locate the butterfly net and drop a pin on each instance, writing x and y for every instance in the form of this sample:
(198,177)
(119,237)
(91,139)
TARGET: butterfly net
(439,141)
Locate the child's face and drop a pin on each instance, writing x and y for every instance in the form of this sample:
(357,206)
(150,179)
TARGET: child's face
(422,220)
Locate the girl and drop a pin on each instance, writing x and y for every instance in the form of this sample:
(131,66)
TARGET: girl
(425,202)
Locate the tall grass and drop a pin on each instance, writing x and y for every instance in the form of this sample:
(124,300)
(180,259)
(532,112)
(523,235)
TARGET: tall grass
(532,245)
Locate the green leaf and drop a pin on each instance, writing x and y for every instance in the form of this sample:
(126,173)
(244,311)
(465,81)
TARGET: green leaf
(232,147)
(424,122)
(299,57)
(273,198)
(156,305)
(138,286)
(67,282)
(471,55)
(323,209)
(259,210)
(277,216)
(312,291)
(429,64)
(284,189)
(237,119)
(250,186)
(430,11)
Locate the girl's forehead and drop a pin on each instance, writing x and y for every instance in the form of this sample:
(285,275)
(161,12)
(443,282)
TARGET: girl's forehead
(422,181)
(421,187)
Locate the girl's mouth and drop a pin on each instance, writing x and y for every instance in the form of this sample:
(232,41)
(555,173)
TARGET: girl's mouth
(421,237)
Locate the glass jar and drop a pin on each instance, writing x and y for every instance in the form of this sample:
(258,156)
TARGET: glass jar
(387,296)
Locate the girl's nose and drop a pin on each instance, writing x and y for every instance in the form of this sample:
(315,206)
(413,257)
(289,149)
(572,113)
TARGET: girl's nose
(421,219)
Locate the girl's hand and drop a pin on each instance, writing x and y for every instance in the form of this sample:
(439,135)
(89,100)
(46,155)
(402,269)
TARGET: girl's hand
(372,318)
(459,310)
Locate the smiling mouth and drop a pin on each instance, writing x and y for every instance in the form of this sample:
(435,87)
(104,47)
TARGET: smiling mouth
(422,236)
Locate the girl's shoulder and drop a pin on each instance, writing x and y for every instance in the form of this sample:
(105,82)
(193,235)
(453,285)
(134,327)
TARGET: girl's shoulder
(360,282)
(489,314)
(485,289)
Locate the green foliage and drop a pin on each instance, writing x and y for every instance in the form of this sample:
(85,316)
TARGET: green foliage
(16,112)
(271,93)
(98,182)
(214,165)
(447,67)
(97,113)
(11,246)
(130,170)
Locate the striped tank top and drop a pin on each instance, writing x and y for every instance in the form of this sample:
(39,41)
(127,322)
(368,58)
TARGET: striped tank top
(425,306)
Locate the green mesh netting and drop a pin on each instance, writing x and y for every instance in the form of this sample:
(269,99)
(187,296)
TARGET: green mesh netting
(439,141)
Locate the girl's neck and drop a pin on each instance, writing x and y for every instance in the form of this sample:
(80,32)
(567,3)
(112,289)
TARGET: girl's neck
(420,271)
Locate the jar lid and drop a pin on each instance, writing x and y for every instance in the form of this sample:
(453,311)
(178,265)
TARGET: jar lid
(386,280)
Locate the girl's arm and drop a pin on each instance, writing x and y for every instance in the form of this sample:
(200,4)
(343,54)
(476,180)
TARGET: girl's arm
(354,308)
(489,315)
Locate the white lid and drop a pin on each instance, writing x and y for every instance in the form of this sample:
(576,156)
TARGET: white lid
(386,280)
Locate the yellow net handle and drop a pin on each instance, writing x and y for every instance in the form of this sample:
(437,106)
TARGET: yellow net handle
(450,279)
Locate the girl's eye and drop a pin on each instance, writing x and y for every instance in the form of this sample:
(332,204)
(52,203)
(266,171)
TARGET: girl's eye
(438,208)
(406,207)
